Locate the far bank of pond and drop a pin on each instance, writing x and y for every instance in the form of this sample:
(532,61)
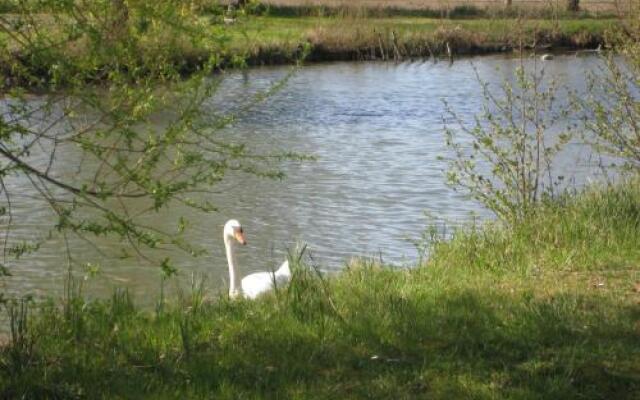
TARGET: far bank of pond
(270,40)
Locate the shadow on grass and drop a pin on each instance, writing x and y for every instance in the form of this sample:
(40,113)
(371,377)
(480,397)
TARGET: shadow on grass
(377,343)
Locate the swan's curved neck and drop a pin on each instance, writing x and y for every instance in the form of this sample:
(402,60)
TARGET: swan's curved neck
(231,260)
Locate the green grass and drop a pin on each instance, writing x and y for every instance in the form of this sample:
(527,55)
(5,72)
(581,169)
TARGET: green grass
(543,309)
(433,9)
(277,39)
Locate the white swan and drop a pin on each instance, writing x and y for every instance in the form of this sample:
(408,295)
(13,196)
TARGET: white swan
(255,284)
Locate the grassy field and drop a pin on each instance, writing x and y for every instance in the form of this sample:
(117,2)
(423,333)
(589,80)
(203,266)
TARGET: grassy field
(589,5)
(545,309)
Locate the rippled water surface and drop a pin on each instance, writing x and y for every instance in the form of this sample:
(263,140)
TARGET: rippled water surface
(376,130)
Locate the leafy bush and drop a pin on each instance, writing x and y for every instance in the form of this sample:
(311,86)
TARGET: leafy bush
(505,159)
(613,109)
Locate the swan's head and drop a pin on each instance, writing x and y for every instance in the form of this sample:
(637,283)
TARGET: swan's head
(233,230)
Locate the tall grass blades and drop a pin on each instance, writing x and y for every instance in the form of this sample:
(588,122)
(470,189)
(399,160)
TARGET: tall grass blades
(19,349)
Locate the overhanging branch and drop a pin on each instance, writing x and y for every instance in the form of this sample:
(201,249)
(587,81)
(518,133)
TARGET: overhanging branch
(29,169)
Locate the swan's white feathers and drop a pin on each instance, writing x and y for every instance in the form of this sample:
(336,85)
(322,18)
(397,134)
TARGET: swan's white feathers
(257,283)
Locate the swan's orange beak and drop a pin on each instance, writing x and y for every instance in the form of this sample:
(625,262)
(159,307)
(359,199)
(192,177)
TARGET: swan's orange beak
(239,235)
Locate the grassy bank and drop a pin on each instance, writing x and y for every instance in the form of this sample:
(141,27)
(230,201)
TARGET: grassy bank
(282,40)
(545,309)
(278,39)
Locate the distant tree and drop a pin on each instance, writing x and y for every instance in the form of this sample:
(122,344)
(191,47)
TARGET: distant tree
(573,5)
(119,19)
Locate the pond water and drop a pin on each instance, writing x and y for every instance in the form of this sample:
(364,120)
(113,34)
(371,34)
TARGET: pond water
(376,130)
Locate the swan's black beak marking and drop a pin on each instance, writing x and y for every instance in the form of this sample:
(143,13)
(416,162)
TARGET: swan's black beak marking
(239,235)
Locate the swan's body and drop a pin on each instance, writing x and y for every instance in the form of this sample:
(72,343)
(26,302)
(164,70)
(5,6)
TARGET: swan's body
(251,286)
(261,282)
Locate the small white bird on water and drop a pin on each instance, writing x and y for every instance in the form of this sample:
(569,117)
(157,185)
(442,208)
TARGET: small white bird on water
(251,286)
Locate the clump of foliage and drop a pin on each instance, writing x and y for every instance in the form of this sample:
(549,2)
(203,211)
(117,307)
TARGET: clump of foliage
(613,110)
(504,160)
